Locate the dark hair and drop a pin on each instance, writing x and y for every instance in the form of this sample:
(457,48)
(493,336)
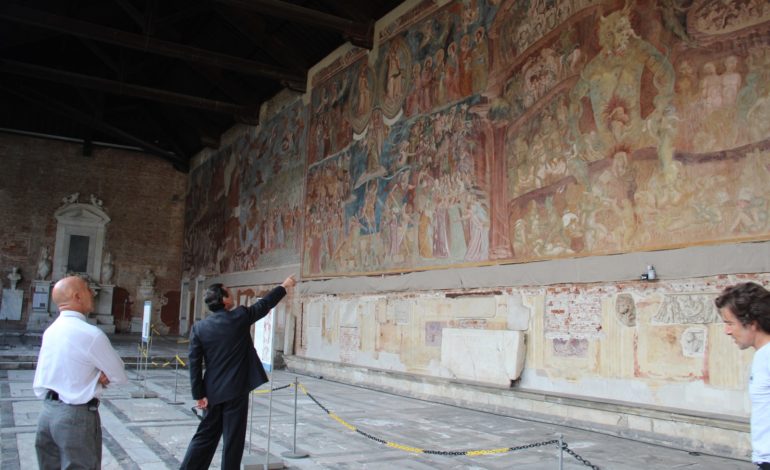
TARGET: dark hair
(749,302)
(214,295)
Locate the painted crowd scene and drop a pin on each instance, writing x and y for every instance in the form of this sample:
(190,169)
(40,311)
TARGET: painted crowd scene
(484,132)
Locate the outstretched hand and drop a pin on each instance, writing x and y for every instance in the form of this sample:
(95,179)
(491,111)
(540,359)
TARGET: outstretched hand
(289,282)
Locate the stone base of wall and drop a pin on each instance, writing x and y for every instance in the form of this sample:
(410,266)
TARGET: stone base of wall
(706,433)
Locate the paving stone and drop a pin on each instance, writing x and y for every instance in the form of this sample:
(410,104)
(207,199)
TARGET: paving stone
(153,433)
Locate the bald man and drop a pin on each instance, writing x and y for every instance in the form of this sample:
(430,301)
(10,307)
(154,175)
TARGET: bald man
(76,362)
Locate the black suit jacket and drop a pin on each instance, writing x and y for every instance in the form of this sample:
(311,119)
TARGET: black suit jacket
(222,342)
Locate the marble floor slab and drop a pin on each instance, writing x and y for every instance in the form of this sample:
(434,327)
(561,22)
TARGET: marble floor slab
(340,427)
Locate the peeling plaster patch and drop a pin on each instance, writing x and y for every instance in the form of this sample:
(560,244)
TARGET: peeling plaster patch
(572,315)
(570,347)
(473,307)
(693,341)
(472,324)
(403,312)
(350,344)
(687,308)
(433,333)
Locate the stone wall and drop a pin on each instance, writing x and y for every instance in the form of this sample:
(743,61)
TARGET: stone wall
(143,196)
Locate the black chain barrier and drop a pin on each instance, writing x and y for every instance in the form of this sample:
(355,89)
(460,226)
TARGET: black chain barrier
(201,413)
(501,450)
(580,459)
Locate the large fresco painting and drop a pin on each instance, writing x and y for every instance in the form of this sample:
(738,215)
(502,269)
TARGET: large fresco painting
(243,208)
(487,131)
(410,188)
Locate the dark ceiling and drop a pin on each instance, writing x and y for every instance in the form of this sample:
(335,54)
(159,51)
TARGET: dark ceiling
(163,76)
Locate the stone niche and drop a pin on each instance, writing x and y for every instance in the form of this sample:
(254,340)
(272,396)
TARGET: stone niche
(79,248)
(80,234)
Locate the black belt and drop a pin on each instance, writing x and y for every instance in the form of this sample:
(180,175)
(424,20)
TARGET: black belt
(52,395)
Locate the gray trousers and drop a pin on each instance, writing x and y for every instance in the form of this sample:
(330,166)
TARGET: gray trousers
(68,437)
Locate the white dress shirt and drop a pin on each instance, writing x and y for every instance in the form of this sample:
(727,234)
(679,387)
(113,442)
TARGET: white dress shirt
(72,355)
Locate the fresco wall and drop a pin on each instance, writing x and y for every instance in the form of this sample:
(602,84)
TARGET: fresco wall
(243,203)
(485,131)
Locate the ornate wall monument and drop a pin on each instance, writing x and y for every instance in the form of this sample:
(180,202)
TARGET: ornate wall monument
(79,247)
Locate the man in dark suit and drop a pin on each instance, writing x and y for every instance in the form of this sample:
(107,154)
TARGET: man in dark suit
(223,342)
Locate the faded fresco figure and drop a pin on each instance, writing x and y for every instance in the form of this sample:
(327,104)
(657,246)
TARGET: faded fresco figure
(612,84)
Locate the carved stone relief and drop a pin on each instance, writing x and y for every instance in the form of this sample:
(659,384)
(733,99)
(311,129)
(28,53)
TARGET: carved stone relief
(693,341)
(625,309)
(687,308)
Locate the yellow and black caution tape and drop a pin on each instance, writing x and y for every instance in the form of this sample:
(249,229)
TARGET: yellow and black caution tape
(179,360)
(469,453)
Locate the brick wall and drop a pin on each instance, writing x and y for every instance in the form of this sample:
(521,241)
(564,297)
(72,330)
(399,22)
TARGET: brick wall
(143,195)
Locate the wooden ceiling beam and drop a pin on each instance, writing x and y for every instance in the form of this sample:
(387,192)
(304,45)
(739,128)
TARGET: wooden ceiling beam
(253,29)
(180,162)
(359,34)
(135,14)
(169,133)
(106,59)
(193,121)
(143,43)
(120,88)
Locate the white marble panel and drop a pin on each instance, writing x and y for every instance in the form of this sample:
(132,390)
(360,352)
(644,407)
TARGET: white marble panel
(314,313)
(513,309)
(488,356)
(348,313)
(11,307)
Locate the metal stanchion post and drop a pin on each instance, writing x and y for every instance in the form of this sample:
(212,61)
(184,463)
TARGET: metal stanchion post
(138,365)
(269,424)
(176,380)
(294,454)
(561,451)
(251,418)
(144,393)
(146,368)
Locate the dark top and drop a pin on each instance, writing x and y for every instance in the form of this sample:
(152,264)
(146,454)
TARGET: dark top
(222,341)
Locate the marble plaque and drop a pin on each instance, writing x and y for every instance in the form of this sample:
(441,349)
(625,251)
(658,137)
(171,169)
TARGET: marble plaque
(488,356)
(11,307)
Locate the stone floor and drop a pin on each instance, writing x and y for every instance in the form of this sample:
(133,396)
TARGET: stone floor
(372,430)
